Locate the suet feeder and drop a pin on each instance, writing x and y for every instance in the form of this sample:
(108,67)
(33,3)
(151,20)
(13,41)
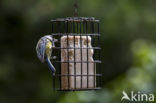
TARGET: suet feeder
(77,53)
(78,64)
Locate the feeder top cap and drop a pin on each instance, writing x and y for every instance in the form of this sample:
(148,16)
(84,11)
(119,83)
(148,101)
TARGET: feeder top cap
(75,19)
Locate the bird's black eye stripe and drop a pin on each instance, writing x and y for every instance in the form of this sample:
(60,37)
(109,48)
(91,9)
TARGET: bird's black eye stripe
(50,39)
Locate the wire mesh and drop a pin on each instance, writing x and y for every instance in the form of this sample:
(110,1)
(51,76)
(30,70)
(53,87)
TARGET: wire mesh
(72,74)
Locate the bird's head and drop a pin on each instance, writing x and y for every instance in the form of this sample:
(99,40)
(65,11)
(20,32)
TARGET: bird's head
(53,40)
(48,37)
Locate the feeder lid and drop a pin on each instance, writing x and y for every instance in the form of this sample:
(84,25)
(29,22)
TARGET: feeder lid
(76,19)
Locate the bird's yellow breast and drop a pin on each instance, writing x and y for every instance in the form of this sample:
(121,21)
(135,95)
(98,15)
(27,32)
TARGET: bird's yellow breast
(48,48)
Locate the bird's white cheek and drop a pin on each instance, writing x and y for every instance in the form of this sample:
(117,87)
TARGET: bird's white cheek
(50,46)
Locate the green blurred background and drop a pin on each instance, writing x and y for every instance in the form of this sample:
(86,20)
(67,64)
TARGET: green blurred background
(128,41)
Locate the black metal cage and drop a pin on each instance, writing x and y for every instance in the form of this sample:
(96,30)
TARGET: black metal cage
(77,52)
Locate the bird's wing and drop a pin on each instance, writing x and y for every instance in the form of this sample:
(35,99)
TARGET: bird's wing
(43,46)
(40,49)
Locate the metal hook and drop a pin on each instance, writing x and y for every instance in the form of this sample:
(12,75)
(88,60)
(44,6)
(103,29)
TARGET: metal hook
(75,8)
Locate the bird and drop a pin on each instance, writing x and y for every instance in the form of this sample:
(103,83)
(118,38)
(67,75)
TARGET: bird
(44,50)
(125,96)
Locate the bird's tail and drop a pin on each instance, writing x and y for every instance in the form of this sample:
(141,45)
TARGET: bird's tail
(50,65)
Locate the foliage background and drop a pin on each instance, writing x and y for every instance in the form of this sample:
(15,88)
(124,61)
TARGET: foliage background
(128,29)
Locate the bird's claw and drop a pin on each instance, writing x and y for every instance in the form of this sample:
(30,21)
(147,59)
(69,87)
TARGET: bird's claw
(53,57)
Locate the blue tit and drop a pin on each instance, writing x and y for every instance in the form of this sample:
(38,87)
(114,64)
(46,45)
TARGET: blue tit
(44,50)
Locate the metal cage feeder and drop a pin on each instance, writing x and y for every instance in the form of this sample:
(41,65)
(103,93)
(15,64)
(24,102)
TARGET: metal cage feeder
(77,51)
